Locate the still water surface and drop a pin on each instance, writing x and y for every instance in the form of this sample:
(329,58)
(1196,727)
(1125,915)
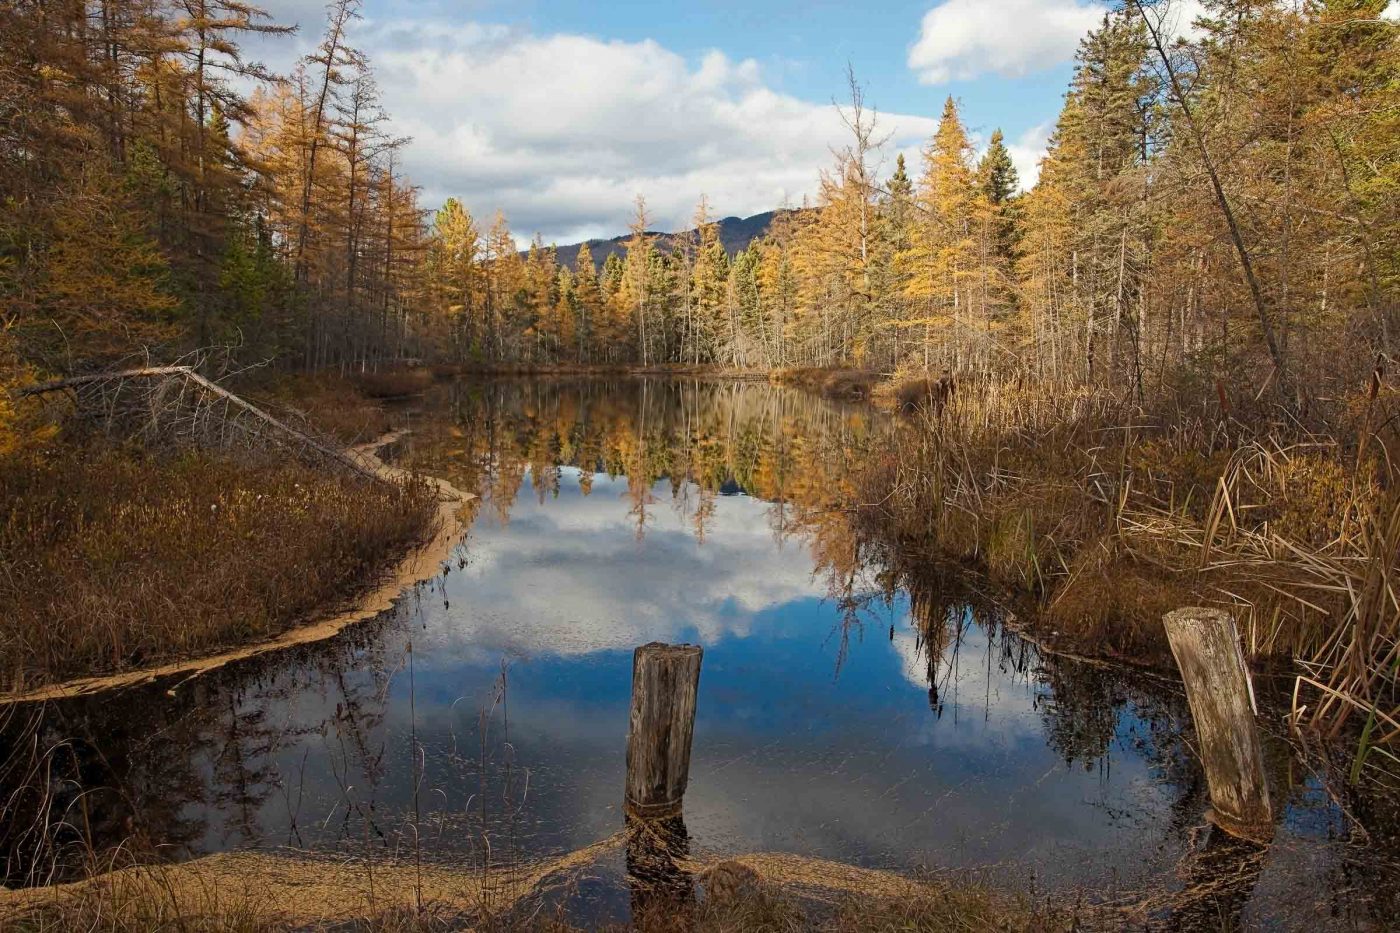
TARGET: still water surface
(856,704)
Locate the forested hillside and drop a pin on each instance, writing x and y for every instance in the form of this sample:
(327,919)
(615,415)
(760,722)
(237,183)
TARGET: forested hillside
(735,234)
(1224,205)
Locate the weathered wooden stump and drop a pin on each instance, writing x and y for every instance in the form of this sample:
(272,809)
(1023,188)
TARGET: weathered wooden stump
(1207,650)
(665,682)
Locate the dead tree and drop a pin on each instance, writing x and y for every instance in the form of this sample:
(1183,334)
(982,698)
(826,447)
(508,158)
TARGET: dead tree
(177,406)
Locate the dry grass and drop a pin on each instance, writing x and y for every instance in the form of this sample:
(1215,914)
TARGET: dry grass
(394,383)
(157,898)
(1023,486)
(845,384)
(324,403)
(594,370)
(917,392)
(111,558)
(1108,515)
(1309,553)
(934,907)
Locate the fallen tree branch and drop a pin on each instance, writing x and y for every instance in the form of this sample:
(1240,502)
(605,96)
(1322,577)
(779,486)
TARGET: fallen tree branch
(208,409)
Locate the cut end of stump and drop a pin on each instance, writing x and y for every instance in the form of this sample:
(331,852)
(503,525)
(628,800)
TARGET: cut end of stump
(661,648)
(1200,614)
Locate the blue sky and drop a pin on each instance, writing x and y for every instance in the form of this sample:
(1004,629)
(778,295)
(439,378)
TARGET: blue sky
(560,113)
(803,49)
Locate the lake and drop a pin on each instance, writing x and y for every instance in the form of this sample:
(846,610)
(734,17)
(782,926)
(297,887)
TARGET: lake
(859,701)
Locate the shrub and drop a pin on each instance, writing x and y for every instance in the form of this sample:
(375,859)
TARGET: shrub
(922,393)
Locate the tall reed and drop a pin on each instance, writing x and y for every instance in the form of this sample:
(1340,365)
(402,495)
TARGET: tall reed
(1108,513)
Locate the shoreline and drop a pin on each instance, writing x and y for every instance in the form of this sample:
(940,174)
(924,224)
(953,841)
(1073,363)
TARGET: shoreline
(309,889)
(600,371)
(421,563)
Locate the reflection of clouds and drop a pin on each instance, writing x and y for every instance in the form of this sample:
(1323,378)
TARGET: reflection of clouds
(569,577)
(913,657)
(892,786)
(925,807)
(787,755)
(985,708)
(882,781)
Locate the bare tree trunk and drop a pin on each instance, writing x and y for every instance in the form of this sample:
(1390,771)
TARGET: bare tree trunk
(1284,381)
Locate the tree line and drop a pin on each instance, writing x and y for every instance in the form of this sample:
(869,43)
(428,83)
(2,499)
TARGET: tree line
(1223,206)
(153,203)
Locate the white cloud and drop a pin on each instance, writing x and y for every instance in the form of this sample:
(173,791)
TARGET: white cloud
(1027,151)
(961,39)
(562,131)
(546,584)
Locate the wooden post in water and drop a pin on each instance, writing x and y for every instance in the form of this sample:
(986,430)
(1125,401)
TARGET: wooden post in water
(665,682)
(1207,650)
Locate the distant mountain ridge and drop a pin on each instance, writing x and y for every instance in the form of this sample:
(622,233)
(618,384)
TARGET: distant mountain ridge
(735,233)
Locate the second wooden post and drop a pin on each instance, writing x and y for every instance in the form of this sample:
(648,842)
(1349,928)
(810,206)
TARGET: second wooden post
(1207,649)
(665,684)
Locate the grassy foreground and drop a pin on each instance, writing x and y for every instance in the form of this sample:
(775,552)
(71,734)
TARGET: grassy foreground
(936,912)
(730,897)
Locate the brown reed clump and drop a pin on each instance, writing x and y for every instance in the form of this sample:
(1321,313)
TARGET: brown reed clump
(920,392)
(325,404)
(394,383)
(835,383)
(112,558)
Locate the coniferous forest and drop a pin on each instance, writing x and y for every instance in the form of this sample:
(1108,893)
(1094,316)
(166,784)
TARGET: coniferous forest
(1223,207)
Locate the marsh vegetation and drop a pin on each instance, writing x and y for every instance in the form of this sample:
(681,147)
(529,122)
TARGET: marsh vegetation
(858,665)
(115,560)
(124,548)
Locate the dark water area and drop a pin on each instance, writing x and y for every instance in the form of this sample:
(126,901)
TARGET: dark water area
(856,703)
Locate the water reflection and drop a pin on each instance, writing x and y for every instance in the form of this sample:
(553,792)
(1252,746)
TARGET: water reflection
(858,702)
